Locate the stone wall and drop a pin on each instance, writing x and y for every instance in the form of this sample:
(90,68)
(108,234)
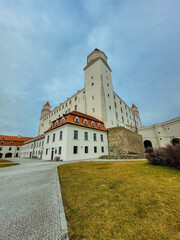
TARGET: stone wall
(124,143)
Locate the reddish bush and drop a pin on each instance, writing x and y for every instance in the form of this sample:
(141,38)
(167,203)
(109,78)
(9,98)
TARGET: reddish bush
(165,156)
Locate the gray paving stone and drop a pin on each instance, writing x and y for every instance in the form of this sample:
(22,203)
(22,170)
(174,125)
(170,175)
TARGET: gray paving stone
(30,201)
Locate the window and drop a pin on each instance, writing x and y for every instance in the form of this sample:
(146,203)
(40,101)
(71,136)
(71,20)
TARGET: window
(102,149)
(60,149)
(92,84)
(75,108)
(93,109)
(86,149)
(91,77)
(66,104)
(92,97)
(2,142)
(116,115)
(55,150)
(48,139)
(94,136)
(46,151)
(98,125)
(70,102)
(49,121)
(109,107)
(54,137)
(76,98)
(10,148)
(108,94)
(126,114)
(66,112)
(17,148)
(108,84)
(11,142)
(92,124)
(76,119)
(120,102)
(75,149)
(85,122)
(75,134)
(63,107)
(115,105)
(106,77)
(125,107)
(95,149)
(121,110)
(114,96)
(63,120)
(101,137)
(42,143)
(60,135)
(85,135)
(0,148)
(122,119)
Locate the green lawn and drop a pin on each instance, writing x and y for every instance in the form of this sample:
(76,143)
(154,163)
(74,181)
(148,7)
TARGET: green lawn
(121,200)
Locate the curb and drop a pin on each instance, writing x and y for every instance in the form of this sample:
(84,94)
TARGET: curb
(64,226)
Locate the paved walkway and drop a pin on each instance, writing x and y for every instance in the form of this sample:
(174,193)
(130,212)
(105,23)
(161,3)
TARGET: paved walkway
(30,202)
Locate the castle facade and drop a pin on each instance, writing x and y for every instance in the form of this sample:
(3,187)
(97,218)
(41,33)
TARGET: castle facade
(96,99)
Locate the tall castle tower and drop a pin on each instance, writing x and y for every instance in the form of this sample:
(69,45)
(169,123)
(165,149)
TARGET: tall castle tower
(44,112)
(99,88)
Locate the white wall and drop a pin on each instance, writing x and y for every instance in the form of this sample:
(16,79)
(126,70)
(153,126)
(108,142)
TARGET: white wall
(15,150)
(161,134)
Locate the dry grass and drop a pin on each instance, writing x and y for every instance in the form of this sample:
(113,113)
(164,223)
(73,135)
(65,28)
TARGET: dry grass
(4,161)
(8,165)
(139,201)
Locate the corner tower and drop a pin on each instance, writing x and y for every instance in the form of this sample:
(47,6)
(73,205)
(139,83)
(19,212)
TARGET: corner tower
(43,126)
(99,101)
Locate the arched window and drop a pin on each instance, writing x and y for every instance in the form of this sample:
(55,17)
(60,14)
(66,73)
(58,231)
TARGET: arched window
(175,141)
(92,124)
(63,120)
(85,122)
(57,123)
(98,125)
(76,119)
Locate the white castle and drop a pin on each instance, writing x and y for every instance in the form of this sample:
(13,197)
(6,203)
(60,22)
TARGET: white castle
(96,99)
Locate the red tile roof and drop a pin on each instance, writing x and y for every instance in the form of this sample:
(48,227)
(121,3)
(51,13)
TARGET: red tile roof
(70,118)
(47,104)
(133,106)
(13,140)
(35,138)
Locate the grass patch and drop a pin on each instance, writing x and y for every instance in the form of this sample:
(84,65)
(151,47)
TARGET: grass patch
(7,165)
(139,200)
(4,161)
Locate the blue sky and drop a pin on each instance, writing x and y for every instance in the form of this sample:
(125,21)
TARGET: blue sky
(44,45)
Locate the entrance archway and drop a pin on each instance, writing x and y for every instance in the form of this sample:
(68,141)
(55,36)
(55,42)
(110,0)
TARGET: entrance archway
(147,144)
(175,141)
(8,155)
(1,155)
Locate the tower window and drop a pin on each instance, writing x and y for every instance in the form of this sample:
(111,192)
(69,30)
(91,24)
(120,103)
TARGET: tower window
(60,149)
(93,109)
(115,105)
(76,98)
(92,97)
(75,107)
(108,84)
(122,119)
(76,119)
(92,84)
(108,94)
(60,135)
(85,122)
(109,107)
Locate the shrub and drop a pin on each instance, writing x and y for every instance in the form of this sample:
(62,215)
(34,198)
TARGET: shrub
(164,156)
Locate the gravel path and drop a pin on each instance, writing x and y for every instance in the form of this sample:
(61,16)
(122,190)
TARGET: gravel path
(30,202)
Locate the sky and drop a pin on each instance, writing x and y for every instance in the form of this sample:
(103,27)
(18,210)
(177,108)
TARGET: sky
(44,46)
